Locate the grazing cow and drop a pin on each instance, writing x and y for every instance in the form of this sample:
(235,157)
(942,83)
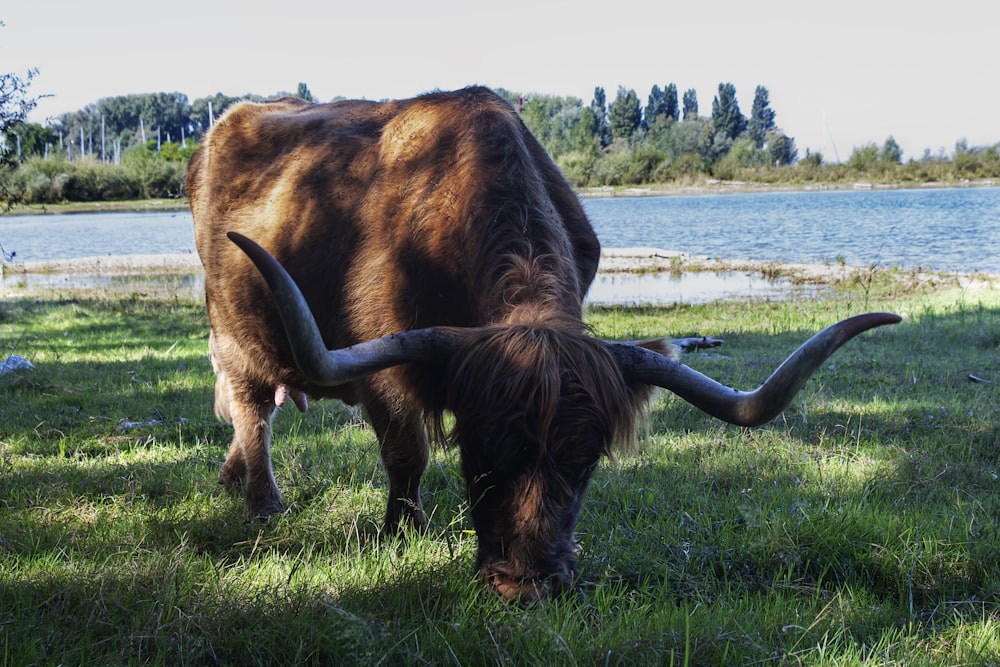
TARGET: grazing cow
(442,261)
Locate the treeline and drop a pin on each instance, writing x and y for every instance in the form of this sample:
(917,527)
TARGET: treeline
(120,148)
(138,146)
(669,141)
(107,128)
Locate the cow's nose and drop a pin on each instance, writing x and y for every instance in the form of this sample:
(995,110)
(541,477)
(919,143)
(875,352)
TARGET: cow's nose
(526,589)
(513,589)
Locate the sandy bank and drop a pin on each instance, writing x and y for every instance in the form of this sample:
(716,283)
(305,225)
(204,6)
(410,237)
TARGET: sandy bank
(613,260)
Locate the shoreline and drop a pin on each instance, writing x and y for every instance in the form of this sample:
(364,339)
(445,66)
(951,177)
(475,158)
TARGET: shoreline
(632,261)
(705,186)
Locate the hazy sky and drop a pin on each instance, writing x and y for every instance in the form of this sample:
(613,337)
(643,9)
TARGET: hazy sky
(840,74)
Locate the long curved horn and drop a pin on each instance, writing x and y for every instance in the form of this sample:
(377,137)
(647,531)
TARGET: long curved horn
(738,407)
(326,367)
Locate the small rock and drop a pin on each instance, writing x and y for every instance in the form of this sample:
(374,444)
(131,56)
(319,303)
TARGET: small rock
(15,363)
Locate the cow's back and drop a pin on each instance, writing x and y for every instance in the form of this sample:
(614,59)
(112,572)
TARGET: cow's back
(390,216)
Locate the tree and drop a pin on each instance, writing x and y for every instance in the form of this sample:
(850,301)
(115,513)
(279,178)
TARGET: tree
(655,107)
(690,137)
(160,116)
(303,93)
(891,152)
(15,105)
(625,114)
(600,107)
(729,122)
(33,139)
(551,120)
(585,136)
(165,114)
(761,117)
(813,160)
(670,102)
(781,148)
(690,104)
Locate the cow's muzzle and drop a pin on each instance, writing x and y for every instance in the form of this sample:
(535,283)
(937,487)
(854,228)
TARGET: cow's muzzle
(524,589)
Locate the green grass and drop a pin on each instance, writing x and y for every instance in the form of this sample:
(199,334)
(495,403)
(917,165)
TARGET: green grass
(859,527)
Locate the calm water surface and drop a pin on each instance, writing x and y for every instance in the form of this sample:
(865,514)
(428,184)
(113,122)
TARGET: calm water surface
(46,237)
(954,229)
(944,229)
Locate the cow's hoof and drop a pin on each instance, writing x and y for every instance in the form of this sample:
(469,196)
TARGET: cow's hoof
(264,509)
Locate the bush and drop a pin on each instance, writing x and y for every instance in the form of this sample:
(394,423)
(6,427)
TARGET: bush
(154,177)
(578,167)
(629,166)
(741,154)
(141,175)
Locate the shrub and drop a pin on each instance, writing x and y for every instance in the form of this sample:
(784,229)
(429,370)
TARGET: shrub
(629,166)
(578,167)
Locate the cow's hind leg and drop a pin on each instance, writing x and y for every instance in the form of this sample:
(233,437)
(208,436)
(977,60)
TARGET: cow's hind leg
(248,463)
(404,449)
(249,406)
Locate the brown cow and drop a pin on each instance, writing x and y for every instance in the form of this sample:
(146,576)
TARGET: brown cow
(442,261)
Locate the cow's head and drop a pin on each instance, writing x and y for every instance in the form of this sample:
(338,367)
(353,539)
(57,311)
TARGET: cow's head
(536,405)
(535,409)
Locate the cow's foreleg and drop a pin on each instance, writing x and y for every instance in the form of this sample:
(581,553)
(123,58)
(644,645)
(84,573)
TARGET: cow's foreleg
(248,463)
(404,448)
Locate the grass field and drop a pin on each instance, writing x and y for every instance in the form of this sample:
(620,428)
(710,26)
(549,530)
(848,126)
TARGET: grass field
(860,527)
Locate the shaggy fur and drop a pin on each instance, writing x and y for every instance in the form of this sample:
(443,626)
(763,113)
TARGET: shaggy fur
(437,211)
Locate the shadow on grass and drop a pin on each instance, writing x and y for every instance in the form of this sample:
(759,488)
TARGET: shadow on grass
(879,479)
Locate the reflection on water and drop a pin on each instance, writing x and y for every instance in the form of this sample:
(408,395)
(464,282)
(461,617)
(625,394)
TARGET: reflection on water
(618,289)
(628,289)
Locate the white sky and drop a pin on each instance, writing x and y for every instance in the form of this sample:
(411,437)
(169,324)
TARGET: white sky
(840,74)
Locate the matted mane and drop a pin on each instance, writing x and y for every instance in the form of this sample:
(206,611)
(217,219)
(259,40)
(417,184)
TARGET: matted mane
(538,381)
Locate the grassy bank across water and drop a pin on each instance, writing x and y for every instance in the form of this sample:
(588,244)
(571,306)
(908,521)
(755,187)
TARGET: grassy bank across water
(705,186)
(859,526)
(138,205)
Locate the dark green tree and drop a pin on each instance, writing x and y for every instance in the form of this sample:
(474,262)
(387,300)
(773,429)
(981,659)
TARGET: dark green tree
(34,139)
(625,114)
(165,115)
(303,93)
(127,117)
(690,104)
(729,122)
(655,106)
(600,107)
(781,148)
(670,102)
(761,117)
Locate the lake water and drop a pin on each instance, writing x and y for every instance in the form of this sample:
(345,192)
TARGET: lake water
(955,229)
(46,237)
